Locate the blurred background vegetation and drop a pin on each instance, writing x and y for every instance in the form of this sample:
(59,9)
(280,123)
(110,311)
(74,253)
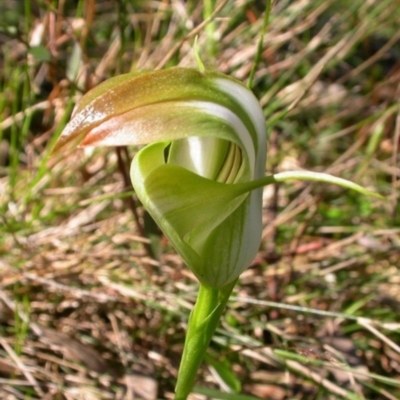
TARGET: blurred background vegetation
(88,312)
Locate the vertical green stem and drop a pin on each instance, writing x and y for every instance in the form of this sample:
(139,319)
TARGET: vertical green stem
(202,323)
(209,6)
(257,57)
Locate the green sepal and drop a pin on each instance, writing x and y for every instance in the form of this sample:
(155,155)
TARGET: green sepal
(204,218)
(189,208)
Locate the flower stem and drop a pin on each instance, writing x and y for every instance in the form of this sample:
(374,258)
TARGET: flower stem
(203,321)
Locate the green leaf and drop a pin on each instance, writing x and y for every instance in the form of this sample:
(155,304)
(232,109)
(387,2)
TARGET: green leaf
(40,53)
(224,371)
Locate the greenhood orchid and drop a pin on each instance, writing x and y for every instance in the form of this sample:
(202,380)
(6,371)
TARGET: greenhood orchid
(208,132)
(200,175)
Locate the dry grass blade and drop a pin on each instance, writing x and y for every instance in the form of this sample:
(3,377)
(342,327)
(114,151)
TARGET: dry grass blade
(191,34)
(85,312)
(21,366)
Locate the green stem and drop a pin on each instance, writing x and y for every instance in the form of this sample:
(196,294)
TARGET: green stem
(209,6)
(257,57)
(202,323)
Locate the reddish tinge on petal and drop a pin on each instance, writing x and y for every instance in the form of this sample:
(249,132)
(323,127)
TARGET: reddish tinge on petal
(99,114)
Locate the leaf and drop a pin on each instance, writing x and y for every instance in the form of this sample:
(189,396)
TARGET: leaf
(224,370)
(40,53)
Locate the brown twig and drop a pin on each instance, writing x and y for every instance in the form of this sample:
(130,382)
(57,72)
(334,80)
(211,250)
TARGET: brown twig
(124,160)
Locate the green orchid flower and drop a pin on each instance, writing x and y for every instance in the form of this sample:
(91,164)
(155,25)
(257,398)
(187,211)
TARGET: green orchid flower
(200,175)
(208,132)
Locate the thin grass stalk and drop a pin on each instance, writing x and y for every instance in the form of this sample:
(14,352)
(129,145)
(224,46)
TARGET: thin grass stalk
(260,45)
(210,28)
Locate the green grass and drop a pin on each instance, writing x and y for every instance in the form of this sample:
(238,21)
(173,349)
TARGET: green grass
(85,309)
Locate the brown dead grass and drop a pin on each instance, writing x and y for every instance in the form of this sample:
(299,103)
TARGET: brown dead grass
(86,313)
